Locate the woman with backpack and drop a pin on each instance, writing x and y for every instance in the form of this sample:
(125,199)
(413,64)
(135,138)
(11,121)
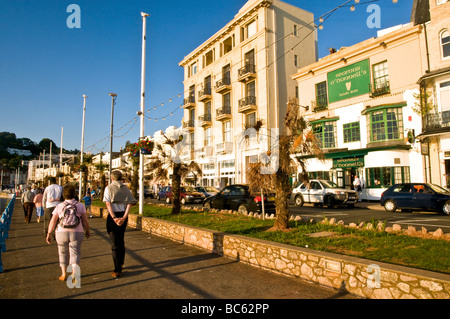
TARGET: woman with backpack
(69,219)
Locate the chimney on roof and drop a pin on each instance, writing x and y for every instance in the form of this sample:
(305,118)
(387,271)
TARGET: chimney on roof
(332,50)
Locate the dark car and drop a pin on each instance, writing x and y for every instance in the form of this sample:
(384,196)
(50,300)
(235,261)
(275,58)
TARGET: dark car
(188,194)
(207,190)
(416,196)
(237,197)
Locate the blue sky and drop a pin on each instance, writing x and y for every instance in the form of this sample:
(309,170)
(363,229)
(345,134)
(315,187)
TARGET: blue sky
(46,67)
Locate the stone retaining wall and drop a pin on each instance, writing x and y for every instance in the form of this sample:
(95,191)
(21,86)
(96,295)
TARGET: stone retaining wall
(358,276)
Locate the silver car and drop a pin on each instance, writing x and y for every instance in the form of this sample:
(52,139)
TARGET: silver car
(323,192)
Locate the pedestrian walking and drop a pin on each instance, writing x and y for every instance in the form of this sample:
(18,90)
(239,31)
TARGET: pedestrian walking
(37,200)
(118,199)
(28,205)
(53,195)
(69,220)
(87,203)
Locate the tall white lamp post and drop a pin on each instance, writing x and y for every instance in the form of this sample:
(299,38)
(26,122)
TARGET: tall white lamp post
(141,114)
(80,195)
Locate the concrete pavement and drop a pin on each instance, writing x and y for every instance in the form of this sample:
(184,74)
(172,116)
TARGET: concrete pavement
(155,268)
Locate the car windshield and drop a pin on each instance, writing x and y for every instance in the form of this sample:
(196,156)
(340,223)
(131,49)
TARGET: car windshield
(329,184)
(438,189)
(188,189)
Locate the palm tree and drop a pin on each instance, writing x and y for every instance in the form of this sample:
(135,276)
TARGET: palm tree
(164,163)
(296,138)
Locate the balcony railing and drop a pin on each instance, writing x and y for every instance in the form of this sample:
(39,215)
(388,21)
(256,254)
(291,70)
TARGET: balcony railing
(224,148)
(204,94)
(189,102)
(434,121)
(188,124)
(377,89)
(205,119)
(247,104)
(223,113)
(223,85)
(246,73)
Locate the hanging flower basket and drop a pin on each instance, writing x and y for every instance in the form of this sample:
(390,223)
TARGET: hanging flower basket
(143,146)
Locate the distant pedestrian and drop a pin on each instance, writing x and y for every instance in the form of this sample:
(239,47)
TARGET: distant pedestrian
(87,203)
(53,195)
(38,204)
(357,184)
(118,199)
(28,205)
(69,235)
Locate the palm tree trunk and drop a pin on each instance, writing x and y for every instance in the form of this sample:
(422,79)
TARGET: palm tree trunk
(176,188)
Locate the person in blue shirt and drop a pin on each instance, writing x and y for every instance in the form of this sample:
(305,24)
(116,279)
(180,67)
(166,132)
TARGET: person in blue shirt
(87,203)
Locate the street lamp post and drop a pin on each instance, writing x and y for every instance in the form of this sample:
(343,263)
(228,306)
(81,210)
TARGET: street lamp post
(80,195)
(113,100)
(142,133)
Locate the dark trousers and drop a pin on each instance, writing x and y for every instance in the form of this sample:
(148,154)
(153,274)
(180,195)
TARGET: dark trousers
(117,236)
(28,211)
(47,217)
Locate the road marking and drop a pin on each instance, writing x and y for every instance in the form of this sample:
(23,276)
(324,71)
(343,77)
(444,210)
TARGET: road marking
(322,214)
(413,222)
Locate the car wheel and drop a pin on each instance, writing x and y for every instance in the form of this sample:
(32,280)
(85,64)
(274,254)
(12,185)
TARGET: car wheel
(299,200)
(183,201)
(167,200)
(329,201)
(446,208)
(390,206)
(242,209)
(207,205)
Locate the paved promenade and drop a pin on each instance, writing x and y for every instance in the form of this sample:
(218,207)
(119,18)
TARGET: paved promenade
(155,268)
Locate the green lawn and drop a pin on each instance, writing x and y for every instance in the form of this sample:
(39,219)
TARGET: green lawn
(429,254)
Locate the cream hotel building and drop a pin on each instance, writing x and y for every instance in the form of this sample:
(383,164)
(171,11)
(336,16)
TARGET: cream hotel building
(239,76)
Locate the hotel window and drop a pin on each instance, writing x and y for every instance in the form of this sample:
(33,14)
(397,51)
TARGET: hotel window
(445,44)
(325,132)
(207,111)
(351,132)
(387,176)
(226,100)
(250,119)
(444,99)
(321,95)
(296,60)
(249,30)
(380,78)
(192,69)
(227,131)
(227,45)
(385,125)
(295,30)
(208,58)
(208,141)
(250,89)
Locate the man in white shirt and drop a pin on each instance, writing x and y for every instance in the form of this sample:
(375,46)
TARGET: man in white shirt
(52,197)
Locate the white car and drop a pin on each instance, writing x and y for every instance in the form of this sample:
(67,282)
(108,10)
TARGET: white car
(323,192)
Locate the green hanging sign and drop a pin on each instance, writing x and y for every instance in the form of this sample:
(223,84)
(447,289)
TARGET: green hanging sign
(350,81)
(348,162)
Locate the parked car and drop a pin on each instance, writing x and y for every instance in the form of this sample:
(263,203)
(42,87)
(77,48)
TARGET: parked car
(323,192)
(416,196)
(188,194)
(237,197)
(148,192)
(207,190)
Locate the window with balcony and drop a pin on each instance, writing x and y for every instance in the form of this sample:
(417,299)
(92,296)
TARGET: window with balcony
(325,132)
(385,125)
(351,132)
(321,101)
(445,43)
